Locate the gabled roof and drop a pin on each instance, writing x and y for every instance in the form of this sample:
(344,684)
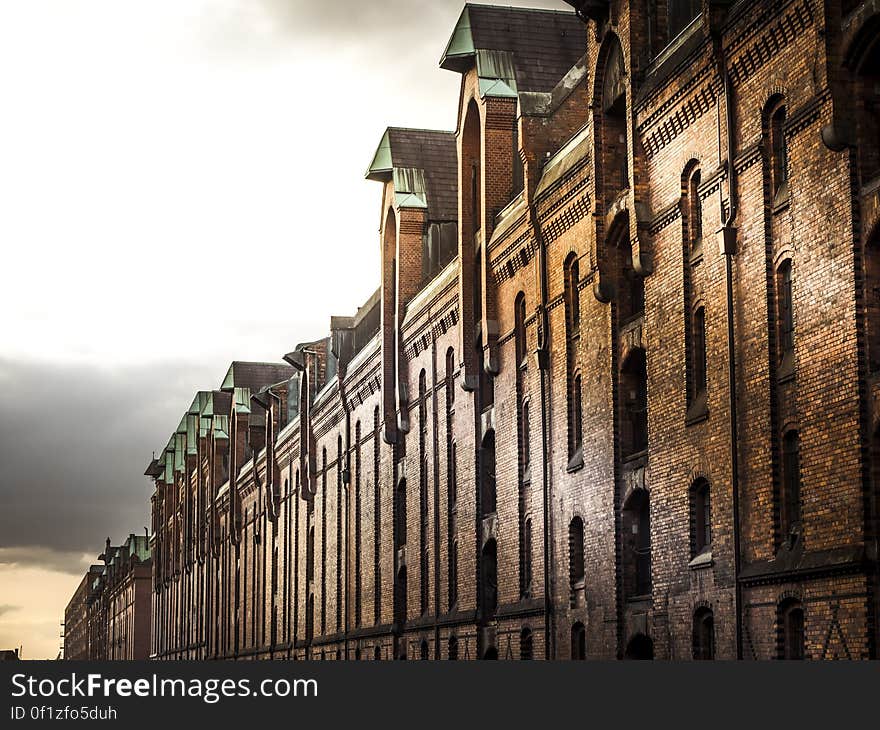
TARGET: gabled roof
(423,164)
(254,375)
(515,49)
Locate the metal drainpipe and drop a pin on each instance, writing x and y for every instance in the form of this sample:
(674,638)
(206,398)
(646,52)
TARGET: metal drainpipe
(436,449)
(543,357)
(728,234)
(346,485)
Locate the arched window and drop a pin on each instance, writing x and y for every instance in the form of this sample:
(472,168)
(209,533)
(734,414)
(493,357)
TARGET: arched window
(576,559)
(640,647)
(863,61)
(377,653)
(310,555)
(423,650)
(694,212)
(790,517)
(526,439)
(526,651)
(791,633)
(612,138)
(578,642)
(452,648)
(778,150)
(704,634)
(572,295)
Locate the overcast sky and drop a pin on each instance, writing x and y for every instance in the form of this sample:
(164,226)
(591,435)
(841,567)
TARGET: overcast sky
(159,160)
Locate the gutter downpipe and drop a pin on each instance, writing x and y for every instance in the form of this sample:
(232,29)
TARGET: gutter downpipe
(543,359)
(728,245)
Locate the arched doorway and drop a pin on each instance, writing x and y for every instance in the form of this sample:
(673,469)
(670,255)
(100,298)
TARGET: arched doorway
(639,647)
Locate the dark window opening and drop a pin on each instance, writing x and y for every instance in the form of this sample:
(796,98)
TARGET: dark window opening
(400,515)
(699,366)
(791,627)
(526,567)
(576,560)
(786,312)
(634,395)
(704,634)
(526,649)
(400,591)
(423,650)
(791,486)
(637,544)
(489,581)
(487,475)
(778,152)
(680,14)
(578,642)
(452,649)
(639,647)
(701,517)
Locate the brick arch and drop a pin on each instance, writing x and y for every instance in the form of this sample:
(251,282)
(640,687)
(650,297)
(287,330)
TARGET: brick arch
(790,594)
(787,252)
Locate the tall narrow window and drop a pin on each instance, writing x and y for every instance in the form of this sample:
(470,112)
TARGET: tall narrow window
(526,650)
(526,439)
(701,517)
(400,514)
(637,546)
(791,486)
(576,560)
(694,214)
(489,576)
(634,393)
(778,151)
(704,634)
(452,649)
(487,475)
(572,332)
(785,313)
(578,642)
(520,329)
(526,568)
(699,356)
(792,638)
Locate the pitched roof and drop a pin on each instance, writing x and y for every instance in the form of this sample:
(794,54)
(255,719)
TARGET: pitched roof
(255,375)
(544,44)
(424,166)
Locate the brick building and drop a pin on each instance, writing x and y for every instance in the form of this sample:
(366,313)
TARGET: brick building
(109,615)
(76,617)
(616,395)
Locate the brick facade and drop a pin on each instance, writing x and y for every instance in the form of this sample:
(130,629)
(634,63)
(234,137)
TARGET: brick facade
(109,617)
(615,395)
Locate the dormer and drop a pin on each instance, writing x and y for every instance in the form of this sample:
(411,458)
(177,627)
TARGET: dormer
(419,237)
(501,53)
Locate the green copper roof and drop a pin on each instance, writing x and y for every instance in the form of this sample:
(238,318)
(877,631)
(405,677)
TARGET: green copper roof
(461,42)
(221,427)
(192,432)
(180,451)
(242,400)
(199,401)
(381,164)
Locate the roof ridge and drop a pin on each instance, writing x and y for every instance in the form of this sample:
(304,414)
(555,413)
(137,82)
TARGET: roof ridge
(420,129)
(517,8)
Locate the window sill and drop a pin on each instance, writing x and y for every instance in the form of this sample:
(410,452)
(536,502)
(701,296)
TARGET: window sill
(782,198)
(786,367)
(698,411)
(576,463)
(702,560)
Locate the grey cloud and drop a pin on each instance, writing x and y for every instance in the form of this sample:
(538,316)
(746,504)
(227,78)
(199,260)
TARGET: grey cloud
(6,608)
(394,30)
(74,442)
